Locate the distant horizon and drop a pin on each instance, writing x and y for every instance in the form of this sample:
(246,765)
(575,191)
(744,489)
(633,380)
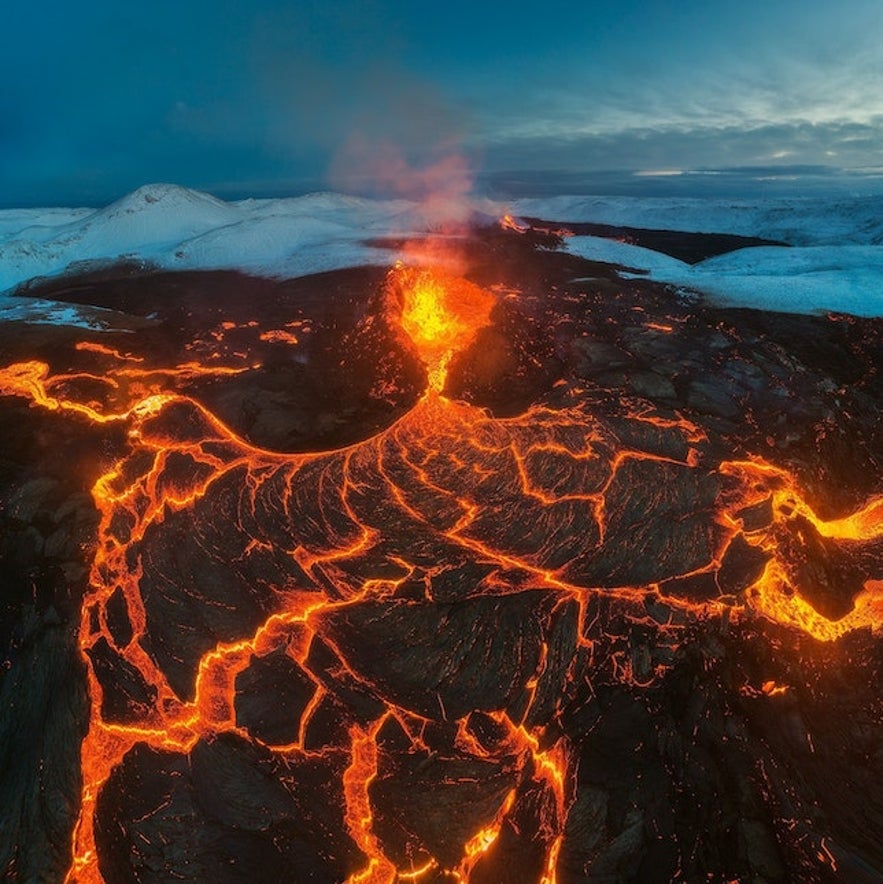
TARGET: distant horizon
(749,181)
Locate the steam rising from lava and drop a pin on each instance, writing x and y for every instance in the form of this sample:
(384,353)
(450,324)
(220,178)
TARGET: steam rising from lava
(441,185)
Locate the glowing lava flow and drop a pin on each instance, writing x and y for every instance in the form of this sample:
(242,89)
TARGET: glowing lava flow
(776,594)
(372,576)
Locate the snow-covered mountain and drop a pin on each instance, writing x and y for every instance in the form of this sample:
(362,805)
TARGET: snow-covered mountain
(835,262)
(174,228)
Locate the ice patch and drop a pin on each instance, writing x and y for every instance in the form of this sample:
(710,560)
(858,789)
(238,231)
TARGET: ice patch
(811,279)
(611,251)
(39,311)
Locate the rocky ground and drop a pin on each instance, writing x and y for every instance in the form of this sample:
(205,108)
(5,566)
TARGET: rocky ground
(685,761)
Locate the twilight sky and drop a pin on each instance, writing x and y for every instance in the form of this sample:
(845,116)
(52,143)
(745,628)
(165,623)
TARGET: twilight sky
(267,97)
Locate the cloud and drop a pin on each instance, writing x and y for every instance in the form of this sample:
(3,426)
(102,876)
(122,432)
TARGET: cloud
(268,90)
(691,147)
(705,70)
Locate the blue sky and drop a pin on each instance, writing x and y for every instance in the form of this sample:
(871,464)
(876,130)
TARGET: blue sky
(263,96)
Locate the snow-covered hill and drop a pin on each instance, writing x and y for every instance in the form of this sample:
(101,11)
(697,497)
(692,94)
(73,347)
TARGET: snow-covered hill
(836,262)
(804,279)
(800,221)
(175,228)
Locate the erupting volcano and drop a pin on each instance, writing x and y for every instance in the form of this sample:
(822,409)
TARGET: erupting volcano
(538,603)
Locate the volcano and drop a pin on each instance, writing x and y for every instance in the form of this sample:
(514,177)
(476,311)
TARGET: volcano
(526,573)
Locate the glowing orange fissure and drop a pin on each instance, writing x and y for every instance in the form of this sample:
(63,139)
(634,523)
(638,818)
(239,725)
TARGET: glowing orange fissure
(441,316)
(507,222)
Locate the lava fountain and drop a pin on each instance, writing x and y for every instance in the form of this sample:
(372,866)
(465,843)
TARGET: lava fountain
(440,313)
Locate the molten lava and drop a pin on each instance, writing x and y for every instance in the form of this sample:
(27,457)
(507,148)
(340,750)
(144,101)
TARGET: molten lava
(434,594)
(441,314)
